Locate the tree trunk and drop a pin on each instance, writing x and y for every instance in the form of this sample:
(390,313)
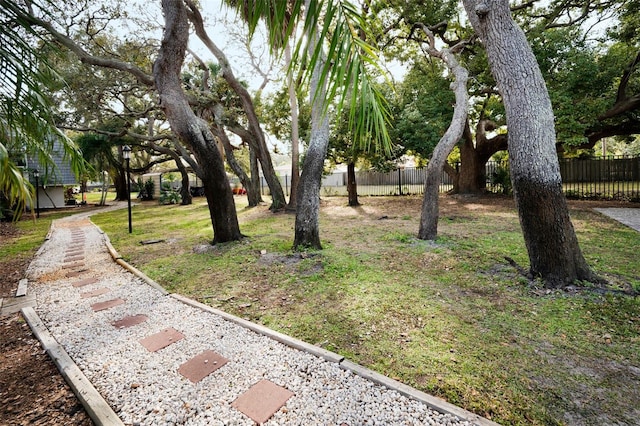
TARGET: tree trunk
(120,184)
(474,157)
(472,178)
(295,133)
(352,185)
(430,209)
(190,129)
(551,242)
(254,182)
(253,196)
(259,143)
(307,226)
(185,188)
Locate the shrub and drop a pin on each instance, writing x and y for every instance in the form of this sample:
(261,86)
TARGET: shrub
(146,189)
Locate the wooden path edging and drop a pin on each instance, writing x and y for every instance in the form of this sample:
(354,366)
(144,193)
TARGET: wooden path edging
(95,405)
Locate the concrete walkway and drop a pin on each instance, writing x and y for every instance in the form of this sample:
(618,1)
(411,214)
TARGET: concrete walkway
(135,354)
(626,216)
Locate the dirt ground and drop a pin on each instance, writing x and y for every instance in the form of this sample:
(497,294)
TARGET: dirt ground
(32,391)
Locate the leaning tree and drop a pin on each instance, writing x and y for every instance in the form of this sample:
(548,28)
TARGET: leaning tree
(551,242)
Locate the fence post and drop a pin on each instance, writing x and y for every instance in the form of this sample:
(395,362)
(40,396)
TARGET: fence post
(400,180)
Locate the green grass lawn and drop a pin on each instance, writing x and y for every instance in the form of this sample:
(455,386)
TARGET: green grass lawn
(451,318)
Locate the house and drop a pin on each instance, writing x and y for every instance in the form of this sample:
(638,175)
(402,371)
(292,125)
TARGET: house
(52,183)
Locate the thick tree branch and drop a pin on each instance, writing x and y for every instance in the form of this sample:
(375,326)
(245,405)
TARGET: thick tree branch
(86,57)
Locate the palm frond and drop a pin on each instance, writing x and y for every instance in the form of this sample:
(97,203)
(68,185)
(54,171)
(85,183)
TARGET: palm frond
(26,119)
(350,60)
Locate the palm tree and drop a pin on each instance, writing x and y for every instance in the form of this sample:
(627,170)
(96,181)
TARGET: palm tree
(26,120)
(336,60)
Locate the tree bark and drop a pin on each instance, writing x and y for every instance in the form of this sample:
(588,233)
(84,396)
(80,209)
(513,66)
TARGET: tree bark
(254,182)
(193,131)
(253,197)
(295,133)
(185,188)
(430,207)
(474,156)
(120,184)
(551,242)
(307,225)
(352,185)
(472,174)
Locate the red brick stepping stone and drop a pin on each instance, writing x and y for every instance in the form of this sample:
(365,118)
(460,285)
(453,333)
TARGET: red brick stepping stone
(84,282)
(160,340)
(262,401)
(73,258)
(200,366)
(74,274)
(94,293)
(129,321)
(72,265)
(70,253)
(101,306)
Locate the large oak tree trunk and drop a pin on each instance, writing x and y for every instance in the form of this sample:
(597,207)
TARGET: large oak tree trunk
(472,176)
(120,184)
(551,241)
(475,154)
(193,131)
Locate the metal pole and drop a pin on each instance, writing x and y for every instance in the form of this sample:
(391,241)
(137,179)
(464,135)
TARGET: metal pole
(129,195)
(37,175)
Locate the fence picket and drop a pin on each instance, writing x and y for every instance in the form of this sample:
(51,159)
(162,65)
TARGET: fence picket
(610,178)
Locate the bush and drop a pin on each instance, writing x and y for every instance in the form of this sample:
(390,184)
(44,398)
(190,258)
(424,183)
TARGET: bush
(170,196)
(146,189)
(501,178)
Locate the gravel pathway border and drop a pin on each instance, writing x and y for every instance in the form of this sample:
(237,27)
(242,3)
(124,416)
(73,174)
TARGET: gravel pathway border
(144,387)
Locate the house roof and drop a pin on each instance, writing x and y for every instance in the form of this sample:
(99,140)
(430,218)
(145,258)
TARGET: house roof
(61,174)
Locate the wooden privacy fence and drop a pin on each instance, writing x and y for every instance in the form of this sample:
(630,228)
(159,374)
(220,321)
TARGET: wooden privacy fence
(611,178)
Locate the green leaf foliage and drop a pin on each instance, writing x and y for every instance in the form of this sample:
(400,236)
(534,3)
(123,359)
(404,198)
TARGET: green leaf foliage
(350,59)
(424,108)
(26,121)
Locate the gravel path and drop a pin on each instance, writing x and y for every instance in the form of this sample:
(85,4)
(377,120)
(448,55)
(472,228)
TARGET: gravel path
(145,388)
(626,216)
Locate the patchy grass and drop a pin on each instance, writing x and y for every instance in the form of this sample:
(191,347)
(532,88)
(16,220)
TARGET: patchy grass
(450,317)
